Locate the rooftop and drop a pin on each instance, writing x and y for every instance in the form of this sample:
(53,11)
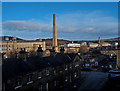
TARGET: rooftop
(13,67)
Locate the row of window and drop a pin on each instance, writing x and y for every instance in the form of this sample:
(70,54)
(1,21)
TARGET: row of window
(18,82)
(5,49)
(28,45)
(29,79)
(70,66)
(3,45)
(41,88)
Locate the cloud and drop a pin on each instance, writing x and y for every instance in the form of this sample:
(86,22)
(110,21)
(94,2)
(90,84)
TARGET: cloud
(26,26)
(93,22)
(85,23)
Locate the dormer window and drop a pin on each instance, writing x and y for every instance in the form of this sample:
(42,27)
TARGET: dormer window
(66,67)
(47,72)
(29,79)
(76,64)
(18,83)
(39,75)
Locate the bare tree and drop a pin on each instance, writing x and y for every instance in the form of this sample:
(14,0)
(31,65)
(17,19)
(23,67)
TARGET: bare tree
(84,49)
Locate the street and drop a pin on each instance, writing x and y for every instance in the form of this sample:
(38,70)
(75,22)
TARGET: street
(112,85)
(93,81)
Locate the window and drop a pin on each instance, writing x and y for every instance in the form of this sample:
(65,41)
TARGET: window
(66,78)
(75,74)
(47,72)
(76,64)
(39,75)
(70,79)
(40,88)
(29,79)
(55,83)
(70,66)
(18,83)
(54,72)
(66,67)
(46,86)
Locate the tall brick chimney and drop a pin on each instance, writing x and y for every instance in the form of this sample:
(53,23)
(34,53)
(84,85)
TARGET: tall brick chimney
(23,54)
(99,42)
(54,33)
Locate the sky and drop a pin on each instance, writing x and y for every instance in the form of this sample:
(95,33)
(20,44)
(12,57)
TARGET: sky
(60,0)
(75,20)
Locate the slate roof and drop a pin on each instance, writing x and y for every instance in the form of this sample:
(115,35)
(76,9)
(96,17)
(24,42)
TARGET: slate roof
(16,67)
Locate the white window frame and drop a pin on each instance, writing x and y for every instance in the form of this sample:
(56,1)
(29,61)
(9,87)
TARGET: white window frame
(75,74)
(29,80)
(66,78)
(39,75)
(66,67)
(47,86)
(18,84)
(76,64)
(70,66)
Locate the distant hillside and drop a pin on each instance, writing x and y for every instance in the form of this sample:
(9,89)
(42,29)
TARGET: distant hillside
(61,41)
(105,40)
(48,41)
(113,39)
(10,38)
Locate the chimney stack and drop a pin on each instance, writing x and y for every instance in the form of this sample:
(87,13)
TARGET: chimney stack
(23,54)
(99,42)
(14,38)
(54,33)
(40,51)
(52,52)
(6,38)
(62,50)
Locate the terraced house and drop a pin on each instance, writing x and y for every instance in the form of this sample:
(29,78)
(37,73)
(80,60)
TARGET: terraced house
(57,72)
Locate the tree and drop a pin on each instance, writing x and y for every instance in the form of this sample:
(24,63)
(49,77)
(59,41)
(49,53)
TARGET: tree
(84,49)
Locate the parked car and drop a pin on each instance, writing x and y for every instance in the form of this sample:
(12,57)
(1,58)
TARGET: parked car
(114,75)
(86,69)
